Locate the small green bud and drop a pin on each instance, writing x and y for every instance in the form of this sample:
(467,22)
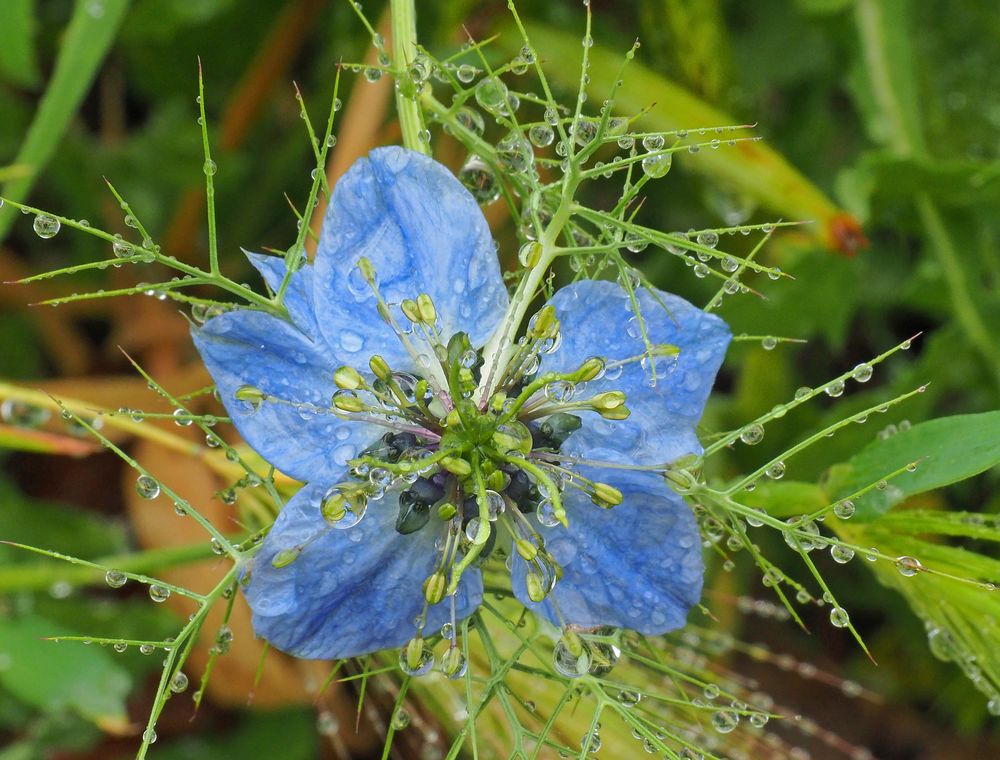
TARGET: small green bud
(497,401)
(526,549)
(530,253)
(434,588)
(347,401)
(286,557)
(334,507)
(619,413)
(415,652)
(409,308)
(250,394)
(666,349)
(426,308)
(454,419)
(536,589)
(456,466)
(447,510)
(452,662)
(544,324)
(572,641)
(607,401)
(367,270)
(380,368)
(590,369)
(606,496)
(348,378)
(496,481)
(680,480)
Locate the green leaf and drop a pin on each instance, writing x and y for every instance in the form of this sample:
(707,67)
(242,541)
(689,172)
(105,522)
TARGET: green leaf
(786,498)
(54,526)
(18,62)
(87,40)
(288,734)
(947,450)
(952,182)
(55,677)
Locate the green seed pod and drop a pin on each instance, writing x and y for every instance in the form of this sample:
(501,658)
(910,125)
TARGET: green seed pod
(434,588)
(536,589)
(426,308)
(348,378)
(606,496)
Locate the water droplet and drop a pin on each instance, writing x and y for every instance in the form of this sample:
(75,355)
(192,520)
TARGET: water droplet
(149,736)
(147,487)
(491,94)
(908,566)
(657,166)
(752,434)
(839,617)
(119,646)
(841,554)
(546,515)
(179,682)
(400,719)
(776,471)
(424,662)
(210,168)
(724,721)
(479,180)
(834,389)
(863,372)
(22,414)
(115,578)
(159,593)
(844,509)
(46,226)
(465,73)
(541,135)
(569,664)
(710,239)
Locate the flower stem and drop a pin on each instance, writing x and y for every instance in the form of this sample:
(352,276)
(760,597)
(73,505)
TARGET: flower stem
(404,46)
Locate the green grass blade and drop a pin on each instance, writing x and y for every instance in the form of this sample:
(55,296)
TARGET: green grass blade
(87,41)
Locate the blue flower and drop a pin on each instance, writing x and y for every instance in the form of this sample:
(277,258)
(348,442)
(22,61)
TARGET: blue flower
(372,379)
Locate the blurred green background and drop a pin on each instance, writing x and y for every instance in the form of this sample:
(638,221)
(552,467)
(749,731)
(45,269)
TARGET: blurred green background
(883,122)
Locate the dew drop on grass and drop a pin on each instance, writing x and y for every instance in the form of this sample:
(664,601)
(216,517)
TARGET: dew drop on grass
(147,487)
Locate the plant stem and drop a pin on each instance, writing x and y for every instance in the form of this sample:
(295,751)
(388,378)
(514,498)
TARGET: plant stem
(404,46)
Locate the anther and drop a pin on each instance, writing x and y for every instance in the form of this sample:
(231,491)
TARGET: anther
(348,401)
(605,496)
(426,309)
(434,588)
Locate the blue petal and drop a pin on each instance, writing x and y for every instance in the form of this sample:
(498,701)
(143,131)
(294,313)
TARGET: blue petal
(597,321)
(423,233)
(298,294)
(637,565)
(248,347)
(351,591)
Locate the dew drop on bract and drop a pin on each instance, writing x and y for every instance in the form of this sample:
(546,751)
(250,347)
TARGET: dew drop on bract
(159,593)
(179,682)
(46,226)
(839,617)
(115,578)
(568,664)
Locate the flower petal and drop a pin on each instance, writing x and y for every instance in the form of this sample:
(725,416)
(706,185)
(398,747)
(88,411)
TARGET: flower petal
(351,591)
(637,565)
(423,233)
(596,320)
(298,294)
(248,347)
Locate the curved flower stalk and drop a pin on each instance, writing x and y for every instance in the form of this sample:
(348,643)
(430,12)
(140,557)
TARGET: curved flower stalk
(367,393)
